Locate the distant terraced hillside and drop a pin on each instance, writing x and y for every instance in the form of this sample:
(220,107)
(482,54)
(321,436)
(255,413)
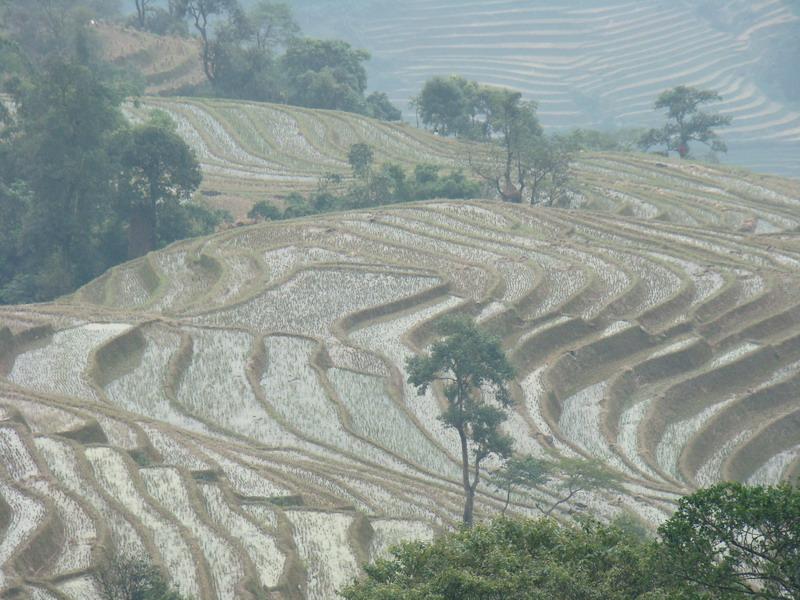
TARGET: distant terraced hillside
(236,406)
(588,64)
(252,151)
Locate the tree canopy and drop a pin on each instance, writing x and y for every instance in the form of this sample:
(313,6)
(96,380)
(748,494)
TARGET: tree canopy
(509,559)
(736,539)
(156,168)
(728,542)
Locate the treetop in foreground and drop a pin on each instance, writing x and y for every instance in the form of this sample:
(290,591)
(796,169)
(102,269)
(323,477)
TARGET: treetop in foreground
(519,559)
(727,542)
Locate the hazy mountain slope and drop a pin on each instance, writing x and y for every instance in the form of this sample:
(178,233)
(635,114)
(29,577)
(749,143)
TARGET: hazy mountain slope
(236,405)
(588,64)
(168,64)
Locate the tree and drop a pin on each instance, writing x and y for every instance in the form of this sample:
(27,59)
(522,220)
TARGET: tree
(526,472)
(201,12)
(361,156)
(511,559)
(473,370)
(518,156)
(272,24)
(325,74)
(157,168)
(686,122)
(554,163)
(448,105)
(123,578)
(264,211)
(736,539)
(142,8)
(60,147)
(380,107)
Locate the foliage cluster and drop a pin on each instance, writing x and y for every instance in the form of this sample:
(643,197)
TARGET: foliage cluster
(517,160)
(728,542)
(259,53)
(80,189)
(127,578)
(371,186)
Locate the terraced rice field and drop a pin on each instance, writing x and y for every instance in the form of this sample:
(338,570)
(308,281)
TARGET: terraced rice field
(235,406)
(256,151)
(252,151)
(588,64)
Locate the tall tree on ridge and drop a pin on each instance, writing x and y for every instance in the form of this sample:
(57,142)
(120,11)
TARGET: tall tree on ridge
(469,364)
(686,122)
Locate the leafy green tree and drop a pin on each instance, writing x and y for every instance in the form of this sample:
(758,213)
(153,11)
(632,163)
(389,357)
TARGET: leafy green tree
(272,25)
(736,539)
(361,156)
(60,146)
(454,185)
(686,122)
(522,560)
(472,368)
(265,211)
(380,107)
(201,13)
(448,105)
(325,74)
(156,168)
(244,52)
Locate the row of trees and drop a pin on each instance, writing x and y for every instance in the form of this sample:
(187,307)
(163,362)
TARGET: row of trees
(522,162)
(259,53)
(371,185)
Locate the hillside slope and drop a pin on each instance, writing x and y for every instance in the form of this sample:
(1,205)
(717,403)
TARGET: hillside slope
(169,64)
(236,405)
(253,151)
(588,64)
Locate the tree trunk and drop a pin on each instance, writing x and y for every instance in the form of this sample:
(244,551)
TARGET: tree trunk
(469,493)
(508,500)
(141,230)
(141,12)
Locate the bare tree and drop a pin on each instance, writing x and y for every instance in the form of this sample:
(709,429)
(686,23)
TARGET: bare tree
(142,8)
(578,475)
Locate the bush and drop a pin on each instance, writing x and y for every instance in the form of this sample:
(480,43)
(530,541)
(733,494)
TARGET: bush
(520,559)
(264,210)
